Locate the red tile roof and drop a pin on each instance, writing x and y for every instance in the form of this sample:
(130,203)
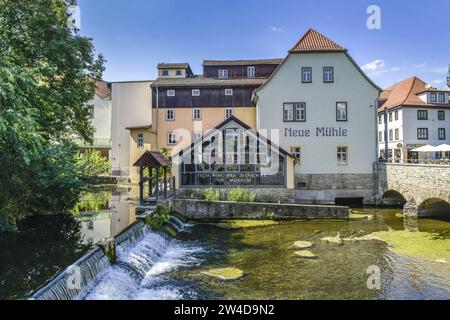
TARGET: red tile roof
(102,89)
(405,93)
(313,41)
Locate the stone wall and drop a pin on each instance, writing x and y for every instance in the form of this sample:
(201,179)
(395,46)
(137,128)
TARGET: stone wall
(199,209)
(417,183)
(281,195)
(325,188)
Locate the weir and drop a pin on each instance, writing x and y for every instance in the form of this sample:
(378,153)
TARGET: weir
(137,250)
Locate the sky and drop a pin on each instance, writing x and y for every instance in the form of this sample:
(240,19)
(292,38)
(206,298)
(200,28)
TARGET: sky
(136,35)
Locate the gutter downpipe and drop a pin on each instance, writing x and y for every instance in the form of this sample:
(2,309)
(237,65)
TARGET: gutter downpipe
(386,136)
(157,116)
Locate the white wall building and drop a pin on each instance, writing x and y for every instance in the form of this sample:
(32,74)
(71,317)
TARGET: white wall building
(411,115)
(101,119)
(325,109)
(131,107)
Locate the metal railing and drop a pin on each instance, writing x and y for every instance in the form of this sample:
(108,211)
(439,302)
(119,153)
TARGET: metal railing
(444,162)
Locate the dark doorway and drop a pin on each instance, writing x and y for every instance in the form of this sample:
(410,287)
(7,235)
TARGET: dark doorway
(350,202)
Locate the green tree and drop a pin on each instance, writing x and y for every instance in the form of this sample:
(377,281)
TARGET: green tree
(45,86)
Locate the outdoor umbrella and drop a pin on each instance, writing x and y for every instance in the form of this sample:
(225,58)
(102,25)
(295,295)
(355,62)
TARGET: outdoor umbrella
(425,149)
(443,148)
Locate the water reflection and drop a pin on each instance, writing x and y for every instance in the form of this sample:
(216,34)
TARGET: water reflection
(105,214)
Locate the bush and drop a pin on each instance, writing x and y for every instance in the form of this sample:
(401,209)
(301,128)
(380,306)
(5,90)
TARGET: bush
(158,218)
(211,195)
(241,195)
(92,164)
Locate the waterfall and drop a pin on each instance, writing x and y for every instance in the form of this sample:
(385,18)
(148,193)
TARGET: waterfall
(68,284)
(143,256)
(137,274)
(179,225)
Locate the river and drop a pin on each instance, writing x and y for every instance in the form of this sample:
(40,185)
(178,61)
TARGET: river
(159,267)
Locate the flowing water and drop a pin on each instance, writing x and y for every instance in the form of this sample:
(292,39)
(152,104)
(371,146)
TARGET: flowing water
(152,265)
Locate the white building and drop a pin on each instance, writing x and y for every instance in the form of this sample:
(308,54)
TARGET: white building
(411,115)
(131,108)
(324,107)
(101,119)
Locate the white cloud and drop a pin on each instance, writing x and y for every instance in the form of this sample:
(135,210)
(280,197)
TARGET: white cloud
(276,29)
(374,65)
(420,66)
(438,81)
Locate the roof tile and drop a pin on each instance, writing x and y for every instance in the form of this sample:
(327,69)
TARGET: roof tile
(313,41)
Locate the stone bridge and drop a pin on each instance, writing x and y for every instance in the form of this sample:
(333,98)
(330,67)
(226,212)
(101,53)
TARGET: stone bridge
(422,189)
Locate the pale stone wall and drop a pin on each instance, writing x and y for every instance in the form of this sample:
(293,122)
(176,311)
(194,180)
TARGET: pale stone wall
(417,183)
(325,188)
(198,209)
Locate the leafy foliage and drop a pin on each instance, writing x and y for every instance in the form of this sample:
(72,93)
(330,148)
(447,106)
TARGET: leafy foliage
(158,218)
(211,194)
(241,195)
(45,87)
(92,163)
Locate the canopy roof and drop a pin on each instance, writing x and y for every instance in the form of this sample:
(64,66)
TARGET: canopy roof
(443,148)
(152,159)
(426,148)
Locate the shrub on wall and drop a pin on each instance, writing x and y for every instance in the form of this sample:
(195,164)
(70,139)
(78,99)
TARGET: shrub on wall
(158,218)
(241,195)
(211,195)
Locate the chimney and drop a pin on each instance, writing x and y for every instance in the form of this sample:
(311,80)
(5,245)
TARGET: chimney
(448,76)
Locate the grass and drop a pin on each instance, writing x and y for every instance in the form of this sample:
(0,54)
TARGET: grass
(240,224)
(415,244)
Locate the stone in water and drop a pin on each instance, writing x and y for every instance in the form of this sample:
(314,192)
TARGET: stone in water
(305,254)
(225,273)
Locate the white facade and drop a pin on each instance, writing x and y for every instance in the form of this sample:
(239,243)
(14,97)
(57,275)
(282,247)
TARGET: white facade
(403,131)
(319,151)
(101,121)
(131,107)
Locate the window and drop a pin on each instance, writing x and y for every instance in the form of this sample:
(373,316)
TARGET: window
(223,73)
(140,140)
(397,134)
(196,136)
(251,72)
(433,97)
(422,133)
(441,133)
(328,75)
(296,153)
(197,114)
(165,73)
(391,135)
(306,75)
(380,119)
(228,92)
(195,92)
(342,155)
(380,136)
(341,111)
(178,72)
(441,97)
(422,114)
(390,116)
(172,138)
(396,115)
(171,93)
(170,115)
(294,112)
(228,113)
(441,115)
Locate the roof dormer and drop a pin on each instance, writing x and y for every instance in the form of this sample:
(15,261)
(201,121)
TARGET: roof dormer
(174,70)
